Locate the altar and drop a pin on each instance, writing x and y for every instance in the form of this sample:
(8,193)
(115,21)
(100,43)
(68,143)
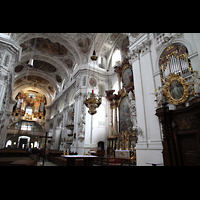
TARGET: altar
(122,153)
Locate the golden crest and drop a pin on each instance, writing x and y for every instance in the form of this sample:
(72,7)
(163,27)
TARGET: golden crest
(176,89)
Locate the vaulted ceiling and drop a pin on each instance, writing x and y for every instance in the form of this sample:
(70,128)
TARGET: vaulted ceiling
(55,56)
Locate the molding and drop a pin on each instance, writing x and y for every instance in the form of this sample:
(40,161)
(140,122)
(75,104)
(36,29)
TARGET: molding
(192,55)
(140,50)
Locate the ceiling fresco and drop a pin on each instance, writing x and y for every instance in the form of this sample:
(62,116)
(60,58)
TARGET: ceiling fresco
(19,68)
(44,66)
(37,79)
(69,63)
(47,46)
(125,45)
(84,44)
(56,55)
(58,78)
(35,84)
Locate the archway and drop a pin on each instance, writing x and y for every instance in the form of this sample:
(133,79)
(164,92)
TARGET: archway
(23,142)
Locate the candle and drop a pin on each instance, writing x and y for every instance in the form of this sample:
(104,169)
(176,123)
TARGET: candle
(92,91)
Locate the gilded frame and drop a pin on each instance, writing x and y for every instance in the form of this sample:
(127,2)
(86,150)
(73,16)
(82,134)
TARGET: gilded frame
(176,89)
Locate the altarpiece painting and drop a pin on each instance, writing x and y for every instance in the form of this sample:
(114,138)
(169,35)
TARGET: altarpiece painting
(125,116)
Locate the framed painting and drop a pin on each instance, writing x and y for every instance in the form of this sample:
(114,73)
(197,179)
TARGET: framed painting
(127,77)
(125,116)
(176,89)
(93,82)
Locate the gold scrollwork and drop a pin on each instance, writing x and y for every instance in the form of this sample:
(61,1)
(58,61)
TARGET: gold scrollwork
(176,89)
(123,94)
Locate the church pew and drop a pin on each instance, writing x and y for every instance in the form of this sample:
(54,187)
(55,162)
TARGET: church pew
(17,161)
(58,160)
(10,155)
(14,152)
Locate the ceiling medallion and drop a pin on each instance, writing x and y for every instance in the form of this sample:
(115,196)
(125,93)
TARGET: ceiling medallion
(176,89)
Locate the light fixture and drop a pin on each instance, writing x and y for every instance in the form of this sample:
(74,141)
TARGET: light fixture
(30,63)
(92,101)
(94,57)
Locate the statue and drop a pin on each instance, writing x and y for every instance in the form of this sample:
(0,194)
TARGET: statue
(133,110)
(81,125)
(159,96)
(196,83)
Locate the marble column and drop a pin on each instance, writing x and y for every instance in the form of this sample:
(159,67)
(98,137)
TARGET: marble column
(10,53)
(115,121)
(111,120)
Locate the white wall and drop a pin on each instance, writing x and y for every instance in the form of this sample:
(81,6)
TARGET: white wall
(145,55)
(99,127)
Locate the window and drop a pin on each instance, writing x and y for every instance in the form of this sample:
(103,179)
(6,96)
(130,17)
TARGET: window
(29,110)
(36,144)
(61,106)
(9,143)
(116,57)
(157,34)
(116,88)
(135,34)
(26,126)
(174,60)
(100,60)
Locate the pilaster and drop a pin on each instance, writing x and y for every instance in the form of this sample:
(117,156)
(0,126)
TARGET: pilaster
(149,145)
(9,54)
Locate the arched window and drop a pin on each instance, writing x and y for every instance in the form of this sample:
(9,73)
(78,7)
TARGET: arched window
(72,100)
(61,106)
(116,57)
(29,110)
(116,88)
(8,143)
(174,59)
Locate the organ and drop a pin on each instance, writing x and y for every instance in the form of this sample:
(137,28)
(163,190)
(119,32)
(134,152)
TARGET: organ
(35,102)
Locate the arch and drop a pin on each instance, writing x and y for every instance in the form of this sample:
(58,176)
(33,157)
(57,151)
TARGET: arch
(116,87)
(116,56)
(51,60)
(179,41)
(27,36)
(9,143)
(61,106)
(42,90)
(173,59)
(23,137)
(72,100)
(102,88)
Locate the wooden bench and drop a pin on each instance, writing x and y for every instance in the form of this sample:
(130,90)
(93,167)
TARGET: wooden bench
(14,152)
(59,161)
(19,157)
(24,163)
(18,161)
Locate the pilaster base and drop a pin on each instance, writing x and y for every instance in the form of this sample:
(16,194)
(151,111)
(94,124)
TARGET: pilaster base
(151,152)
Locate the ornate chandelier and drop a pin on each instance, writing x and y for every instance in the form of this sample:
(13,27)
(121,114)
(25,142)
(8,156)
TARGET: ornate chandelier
(92,101)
